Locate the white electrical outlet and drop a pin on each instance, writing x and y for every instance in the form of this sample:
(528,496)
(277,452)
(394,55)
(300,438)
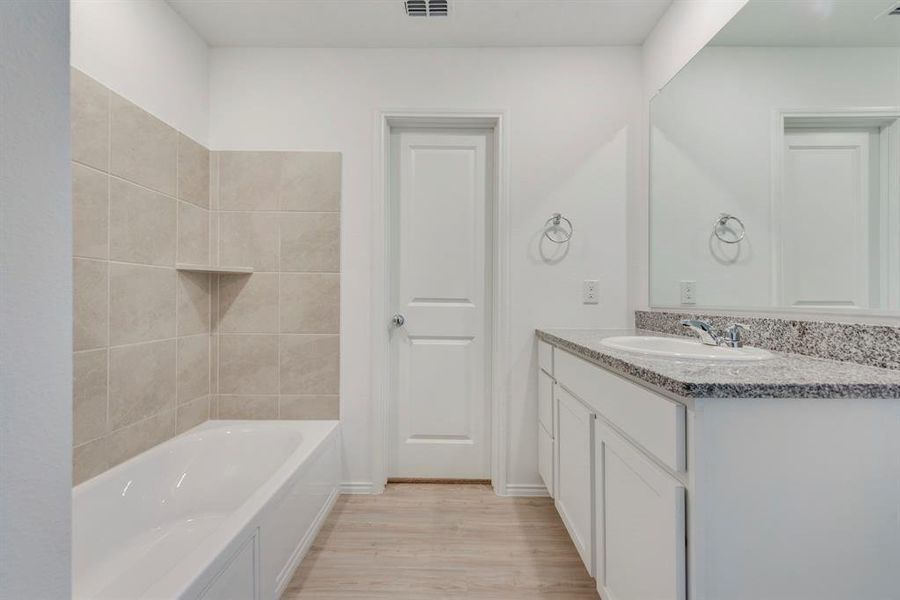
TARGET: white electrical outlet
(688,292)
(590,291)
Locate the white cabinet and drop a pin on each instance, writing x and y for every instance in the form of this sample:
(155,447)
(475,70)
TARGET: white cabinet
(575,473)
(546,430)
(545,459)
(545,401)
(764,480)
(640,523)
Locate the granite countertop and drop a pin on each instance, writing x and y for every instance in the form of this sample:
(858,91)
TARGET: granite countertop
(785,376)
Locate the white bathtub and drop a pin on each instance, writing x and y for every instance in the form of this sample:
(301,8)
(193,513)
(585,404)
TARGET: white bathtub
(226,510)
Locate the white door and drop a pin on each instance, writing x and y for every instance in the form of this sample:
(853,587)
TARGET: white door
(440,284)
(827,221)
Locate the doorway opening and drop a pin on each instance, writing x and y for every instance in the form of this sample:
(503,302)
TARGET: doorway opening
(836,210)
(439,332)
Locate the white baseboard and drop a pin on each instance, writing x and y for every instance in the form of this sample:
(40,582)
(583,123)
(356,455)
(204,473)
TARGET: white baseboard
(512,489)
(360,487)
(526,489)
(284,578)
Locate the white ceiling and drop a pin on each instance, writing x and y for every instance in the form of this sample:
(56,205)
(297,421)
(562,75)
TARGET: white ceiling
(384,24)
(812,23)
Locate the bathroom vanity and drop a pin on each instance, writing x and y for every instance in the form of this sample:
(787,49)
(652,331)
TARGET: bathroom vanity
(677,478)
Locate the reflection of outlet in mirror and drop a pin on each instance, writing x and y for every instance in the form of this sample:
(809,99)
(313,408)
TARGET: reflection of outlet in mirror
(688,292)
(590,292)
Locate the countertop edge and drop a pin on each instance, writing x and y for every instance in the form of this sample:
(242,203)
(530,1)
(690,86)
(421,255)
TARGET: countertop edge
(683,391)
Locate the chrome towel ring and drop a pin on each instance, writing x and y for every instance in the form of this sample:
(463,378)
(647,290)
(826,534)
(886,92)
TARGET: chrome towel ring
(554,224)
(722,223)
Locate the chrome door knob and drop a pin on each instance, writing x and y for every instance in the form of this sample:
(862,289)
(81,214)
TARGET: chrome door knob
(398,320)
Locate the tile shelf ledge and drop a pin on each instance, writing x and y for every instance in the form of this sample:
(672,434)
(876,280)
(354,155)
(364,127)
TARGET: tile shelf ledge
(209,269)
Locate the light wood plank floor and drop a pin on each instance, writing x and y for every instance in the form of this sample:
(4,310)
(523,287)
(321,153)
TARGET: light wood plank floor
(429,541)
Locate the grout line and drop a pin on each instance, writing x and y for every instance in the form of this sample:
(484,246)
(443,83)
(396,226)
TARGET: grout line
(237,211)
(177,253)
(157,340)
(278,348)
(217,315)
(144,187)
(108,254)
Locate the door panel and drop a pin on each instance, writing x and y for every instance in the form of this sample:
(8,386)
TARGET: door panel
(641,524)
(826,228)
(574,491)
(545,400)
(440,268)
(545,458)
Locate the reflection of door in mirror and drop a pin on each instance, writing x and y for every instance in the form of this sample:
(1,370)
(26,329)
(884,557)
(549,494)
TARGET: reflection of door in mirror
(829,219)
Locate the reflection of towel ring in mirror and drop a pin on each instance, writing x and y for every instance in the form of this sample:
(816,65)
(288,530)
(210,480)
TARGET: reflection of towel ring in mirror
(722,223)
(553,223)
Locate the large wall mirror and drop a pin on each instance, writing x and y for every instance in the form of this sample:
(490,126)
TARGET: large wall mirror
(775,163)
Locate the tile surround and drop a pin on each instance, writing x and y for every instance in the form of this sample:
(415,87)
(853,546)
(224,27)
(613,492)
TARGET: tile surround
(90,211)
(130,369)
(248,407)
(159,351)
(248,364)
(310,242)
(191,414)
(142,149)
(310,303)
(248,304)
(248,240)
(277,330)
(193,234)
(193,303)
(309,364)
(90,281)
(141,381)
(192,378)
(193,172)
(90,394)
(89,121)
(141,303)
(141,225)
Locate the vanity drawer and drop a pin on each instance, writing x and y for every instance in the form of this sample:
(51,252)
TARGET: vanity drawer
(545,400)
(652,421)
(545,356)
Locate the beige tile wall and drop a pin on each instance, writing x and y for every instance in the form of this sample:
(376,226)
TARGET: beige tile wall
(142,329)
(277,331)
(158,351)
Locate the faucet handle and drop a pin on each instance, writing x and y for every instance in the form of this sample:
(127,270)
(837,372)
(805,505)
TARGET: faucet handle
(733,335)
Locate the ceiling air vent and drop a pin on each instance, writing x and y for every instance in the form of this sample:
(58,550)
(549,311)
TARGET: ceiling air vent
(426,8)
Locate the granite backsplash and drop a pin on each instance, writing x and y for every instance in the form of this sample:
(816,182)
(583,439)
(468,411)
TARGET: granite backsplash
(872,345)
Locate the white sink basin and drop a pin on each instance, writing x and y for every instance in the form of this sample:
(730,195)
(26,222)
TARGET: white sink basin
(683,349)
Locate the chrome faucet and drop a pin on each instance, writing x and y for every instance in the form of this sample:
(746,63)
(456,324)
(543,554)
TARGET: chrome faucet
(704,329)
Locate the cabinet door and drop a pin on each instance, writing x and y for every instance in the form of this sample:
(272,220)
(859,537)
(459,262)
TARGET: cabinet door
(640,524)
(545,400)
(575,470)
(545,458)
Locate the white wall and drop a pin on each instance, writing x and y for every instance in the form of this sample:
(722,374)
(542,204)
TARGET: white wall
(35,301)
(144,51)
(712,136)
(685,28)
(573,118)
